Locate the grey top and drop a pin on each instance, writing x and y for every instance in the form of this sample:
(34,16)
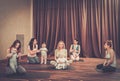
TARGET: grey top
(60,53)
(13,59)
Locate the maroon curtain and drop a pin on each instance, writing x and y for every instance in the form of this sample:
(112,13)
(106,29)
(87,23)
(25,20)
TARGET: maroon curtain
(90,21)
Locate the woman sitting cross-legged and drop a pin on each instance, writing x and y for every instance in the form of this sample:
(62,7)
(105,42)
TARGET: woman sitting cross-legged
(109,64)
(61,61)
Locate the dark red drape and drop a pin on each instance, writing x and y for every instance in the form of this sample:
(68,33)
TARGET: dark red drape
(90,21)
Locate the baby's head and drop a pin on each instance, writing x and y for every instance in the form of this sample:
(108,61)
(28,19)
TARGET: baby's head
(43,45)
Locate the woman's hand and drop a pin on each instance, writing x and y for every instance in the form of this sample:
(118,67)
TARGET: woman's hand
(33,52)
(9,55)
(74,50)
(60,62)
(105,62)
(38,51)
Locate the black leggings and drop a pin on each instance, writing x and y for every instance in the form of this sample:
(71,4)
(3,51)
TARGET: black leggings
(106,68)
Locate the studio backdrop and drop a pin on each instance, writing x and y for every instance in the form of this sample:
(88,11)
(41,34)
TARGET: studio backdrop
(92,22)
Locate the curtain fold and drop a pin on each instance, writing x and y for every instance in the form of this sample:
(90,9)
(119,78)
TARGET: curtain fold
(92,22)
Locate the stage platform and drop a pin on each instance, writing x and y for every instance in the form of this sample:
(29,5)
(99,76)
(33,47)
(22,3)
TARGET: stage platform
(84,70)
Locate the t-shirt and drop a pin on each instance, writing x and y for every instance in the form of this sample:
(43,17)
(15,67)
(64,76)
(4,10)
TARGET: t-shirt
(61,53)
(43,51)
(34,48)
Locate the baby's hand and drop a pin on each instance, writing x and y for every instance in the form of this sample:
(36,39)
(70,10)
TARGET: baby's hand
(38,51)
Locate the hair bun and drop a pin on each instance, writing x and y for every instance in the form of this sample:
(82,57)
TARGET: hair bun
(109,41)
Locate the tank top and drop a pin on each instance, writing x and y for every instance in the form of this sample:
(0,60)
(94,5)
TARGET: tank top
(76,47)
(108,58)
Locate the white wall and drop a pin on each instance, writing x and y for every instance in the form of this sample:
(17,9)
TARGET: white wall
(15,18)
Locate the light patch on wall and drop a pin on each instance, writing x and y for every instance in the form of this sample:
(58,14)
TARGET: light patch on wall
(20,37)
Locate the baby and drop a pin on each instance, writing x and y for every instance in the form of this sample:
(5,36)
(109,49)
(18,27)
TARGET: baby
(43,51)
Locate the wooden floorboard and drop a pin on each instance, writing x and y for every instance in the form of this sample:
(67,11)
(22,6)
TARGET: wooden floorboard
(78,71)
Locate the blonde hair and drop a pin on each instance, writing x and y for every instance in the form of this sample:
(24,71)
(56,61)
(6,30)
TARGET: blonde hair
(59,44)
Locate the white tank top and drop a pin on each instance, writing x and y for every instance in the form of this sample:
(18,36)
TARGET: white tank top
(114,60)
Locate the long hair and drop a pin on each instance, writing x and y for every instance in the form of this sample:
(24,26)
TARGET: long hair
(14,45)
(31,43)
(59,43)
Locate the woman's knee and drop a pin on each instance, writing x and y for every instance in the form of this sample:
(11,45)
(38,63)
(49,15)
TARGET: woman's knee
(13,67)
(31,60)
(99,66)
(9,71)
(37,59)
(53,63)
(109,69)
(21,69)
(77,58)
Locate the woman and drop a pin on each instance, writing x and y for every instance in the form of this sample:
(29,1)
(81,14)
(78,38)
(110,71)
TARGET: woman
(109,64)
(75,51)
(60,52)
(33,50)
(13,53)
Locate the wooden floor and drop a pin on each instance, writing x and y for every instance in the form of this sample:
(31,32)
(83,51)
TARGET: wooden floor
(78,71)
